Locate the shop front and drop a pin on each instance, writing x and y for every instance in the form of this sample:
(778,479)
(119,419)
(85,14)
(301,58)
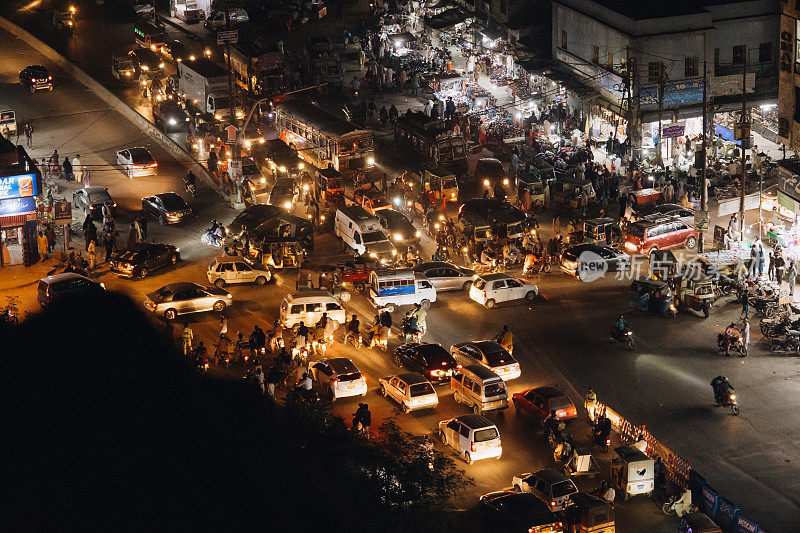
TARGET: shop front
(17,226)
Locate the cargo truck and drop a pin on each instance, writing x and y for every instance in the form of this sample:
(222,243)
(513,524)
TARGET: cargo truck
(204,87)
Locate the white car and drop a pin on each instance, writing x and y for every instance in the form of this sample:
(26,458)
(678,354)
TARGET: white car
(474,437)
(137,162)
(224,270)
(411,390)
(491,289)
(338,378)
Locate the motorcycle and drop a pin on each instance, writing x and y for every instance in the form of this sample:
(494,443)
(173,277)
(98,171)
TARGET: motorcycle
(737,344)
(728,285)
(679,504)
(625,337)
(407,334)
(789,344)
(211,238)
(728,400)
(772,328)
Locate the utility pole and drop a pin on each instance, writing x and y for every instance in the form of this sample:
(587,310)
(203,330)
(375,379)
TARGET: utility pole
(703,162)
(745,135)
(662,75)
(236,154)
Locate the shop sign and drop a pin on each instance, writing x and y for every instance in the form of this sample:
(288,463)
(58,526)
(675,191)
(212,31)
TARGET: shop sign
(789,185)
(675,94)
(17,206)
(21,186)
(672,130)
(62,213)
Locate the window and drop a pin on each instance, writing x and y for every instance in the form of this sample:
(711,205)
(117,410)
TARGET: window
(765,52)
(610,60)
(739,52)
(332,307)
(595,54)
(243,267)
(297,309)
(514,283)
(563,40)
(503,6)
(464,430)
(691,67)
(314,308)
(654,70)
(797,104)
(498,285)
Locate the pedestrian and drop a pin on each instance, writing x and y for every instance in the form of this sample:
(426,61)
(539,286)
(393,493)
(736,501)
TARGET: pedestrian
(514,165)
(187,336)
(771,266)
(133,236)
(77,168)
(43,247)
(746,334)
(660,474)
(142,218)
(780,264)
(106,211)
(169,330)
(745,305)
(29,134)
(138,227)
(50,233)
(110,244)
(67,166)
(733,226)
(223,328)
(92,255)
(791,273)
(384,114)
(761,260)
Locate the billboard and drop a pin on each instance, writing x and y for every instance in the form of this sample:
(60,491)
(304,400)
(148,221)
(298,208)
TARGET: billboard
(675,95)
(20,186)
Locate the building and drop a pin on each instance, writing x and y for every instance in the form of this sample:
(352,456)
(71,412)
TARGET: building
(20,183)
(630,53)
(789,76)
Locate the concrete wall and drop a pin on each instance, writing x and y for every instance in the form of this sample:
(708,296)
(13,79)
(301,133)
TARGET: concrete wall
(176,150)
(583,32)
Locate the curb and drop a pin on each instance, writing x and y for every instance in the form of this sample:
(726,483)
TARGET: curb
(177,151)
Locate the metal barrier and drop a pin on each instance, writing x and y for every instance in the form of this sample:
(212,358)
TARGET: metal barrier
(677,467)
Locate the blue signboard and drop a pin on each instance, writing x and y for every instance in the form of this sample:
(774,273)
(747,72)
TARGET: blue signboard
(20,186)
(675,95)
(17,206)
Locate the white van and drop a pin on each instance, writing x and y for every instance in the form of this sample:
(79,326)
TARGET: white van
(479,388)
(8,120)
(307,307)
(363,233)
(392,288)
(474,437)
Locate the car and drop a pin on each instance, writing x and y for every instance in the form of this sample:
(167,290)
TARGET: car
(35,78)
(123,69)
(575,264)
(167,208)
(252,217)
(541,401)
(284,193)
(492,289)
(658,233)
(372,199)
(224,270)
(177,52)
(146,62)
(66,285)
(91,200)
(338,378)
(550,485)
(410,389)
(216,19)
(489,354)
(182,298)
(137,162)
(474,437)
(446,276)
(520,512)
(488,171)
(254,181)
(684,214)
(281,159)
(399,229)
(141,258)
(428,359)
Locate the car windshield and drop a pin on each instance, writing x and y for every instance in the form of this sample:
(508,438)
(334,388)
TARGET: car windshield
(479,284)
(141,156)
(173,202)
(374,236)
(352,376)
(563,488)
(126,64)
(560,402)
(493,169)
(495,389)
(482,435)
(99,196)
(221,102)
(421,389)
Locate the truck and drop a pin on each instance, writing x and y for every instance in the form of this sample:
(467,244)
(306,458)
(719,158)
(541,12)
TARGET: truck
(204,87)
(258,70)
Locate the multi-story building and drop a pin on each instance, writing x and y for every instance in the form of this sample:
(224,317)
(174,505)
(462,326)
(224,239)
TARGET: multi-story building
(789,76)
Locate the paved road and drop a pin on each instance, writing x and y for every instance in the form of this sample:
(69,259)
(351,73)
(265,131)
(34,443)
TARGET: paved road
(752,459)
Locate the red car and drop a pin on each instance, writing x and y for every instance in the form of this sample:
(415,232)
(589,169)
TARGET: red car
(540,401)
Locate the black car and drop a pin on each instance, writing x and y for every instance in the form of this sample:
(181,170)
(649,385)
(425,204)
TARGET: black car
(489,171)
(66,285)
(36,77)
(281,159)
(519,511)
(430,360)
(253,216)
(147,62)
(397,227)
(91,199)
(167,208)
(177,52)
(141,258)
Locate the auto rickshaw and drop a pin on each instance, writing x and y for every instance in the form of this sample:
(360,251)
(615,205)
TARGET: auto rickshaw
(695,294)
(355,271)
(632,472)
(442,182)
(326,281)
(663,265)
(587,513)
(278,255)
(329,187)
(602,231)
(573,192)
(535,190)
(653,295)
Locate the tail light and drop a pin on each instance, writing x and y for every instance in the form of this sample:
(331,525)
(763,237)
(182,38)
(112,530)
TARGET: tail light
(153,165)
(364,380)
(484,294)
(335,383)
(474,447)
(552,504)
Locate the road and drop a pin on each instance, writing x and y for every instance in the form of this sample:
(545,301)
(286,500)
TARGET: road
(752,459)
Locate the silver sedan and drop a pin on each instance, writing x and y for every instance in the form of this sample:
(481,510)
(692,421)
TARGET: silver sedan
(446,276)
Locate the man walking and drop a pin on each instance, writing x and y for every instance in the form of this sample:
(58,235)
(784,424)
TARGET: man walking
(28,129)
(223,328)
(187,336)
(792,275)
(43,247)
(110,243)
(77,168)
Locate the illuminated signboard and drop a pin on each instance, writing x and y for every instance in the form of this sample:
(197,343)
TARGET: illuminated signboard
(20,186)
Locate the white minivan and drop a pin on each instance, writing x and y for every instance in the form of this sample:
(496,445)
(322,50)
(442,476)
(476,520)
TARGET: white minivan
(307,307)
(474,437)
(362,232)
(391,288)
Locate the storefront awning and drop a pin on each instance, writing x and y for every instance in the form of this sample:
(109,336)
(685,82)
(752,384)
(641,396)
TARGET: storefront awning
(446,19)
(492,33)
(438,4)
(400,38)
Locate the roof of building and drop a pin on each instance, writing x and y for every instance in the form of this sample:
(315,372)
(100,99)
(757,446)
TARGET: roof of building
(660,8)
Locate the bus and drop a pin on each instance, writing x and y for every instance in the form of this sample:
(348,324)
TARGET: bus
(322,138)
(149,35)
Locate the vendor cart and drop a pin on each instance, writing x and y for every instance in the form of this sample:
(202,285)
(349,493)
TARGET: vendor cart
(328,186)
(355,271)
(572,192)
(644,197)
(602,231)
(653,295)
(632,472)
(581,463)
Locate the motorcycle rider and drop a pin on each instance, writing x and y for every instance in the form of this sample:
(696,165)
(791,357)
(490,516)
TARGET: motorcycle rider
(410,326)
(551,424)
(189,181)
(722,389)
(421,315)
(731,335)
(620,328)
(305,382)
(301,335)
(506,339)
(352,330)
(362,418)
(440,254)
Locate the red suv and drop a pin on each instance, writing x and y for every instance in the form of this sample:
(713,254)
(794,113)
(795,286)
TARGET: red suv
(648,235)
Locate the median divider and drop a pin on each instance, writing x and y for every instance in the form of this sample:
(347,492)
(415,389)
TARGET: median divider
(724,513)
(114,102)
